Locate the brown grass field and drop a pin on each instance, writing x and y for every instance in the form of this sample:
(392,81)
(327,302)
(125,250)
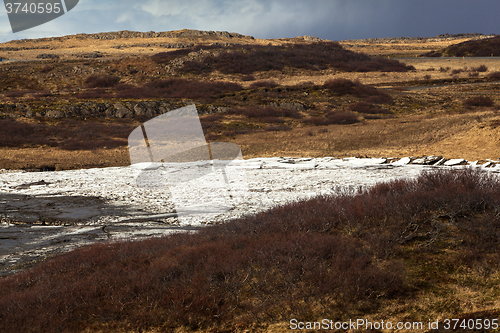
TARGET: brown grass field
(422,122)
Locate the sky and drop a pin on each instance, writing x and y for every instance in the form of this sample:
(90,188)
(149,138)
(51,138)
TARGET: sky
(327,19)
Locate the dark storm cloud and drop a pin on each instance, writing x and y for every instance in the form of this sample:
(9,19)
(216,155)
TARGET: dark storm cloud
(329,19)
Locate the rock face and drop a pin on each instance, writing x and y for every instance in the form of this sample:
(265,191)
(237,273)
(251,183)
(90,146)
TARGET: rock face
(288,105)
(148,109)
(54,114)
(457,161)
(403,161)
(186,33)
(165,45)
(427,160)
(92,55)
(122,111)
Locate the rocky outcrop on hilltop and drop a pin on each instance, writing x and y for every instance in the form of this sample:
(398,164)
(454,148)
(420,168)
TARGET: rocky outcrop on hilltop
(186,33)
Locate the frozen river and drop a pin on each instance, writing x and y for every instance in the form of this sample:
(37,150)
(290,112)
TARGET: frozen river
(45,213)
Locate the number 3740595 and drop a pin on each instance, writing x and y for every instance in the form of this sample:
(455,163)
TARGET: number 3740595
(470,324)
(33,8)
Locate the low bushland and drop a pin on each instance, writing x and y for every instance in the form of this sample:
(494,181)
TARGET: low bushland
(13,82)
(327,257)
(177,88)
(341,87)
(363,107)
(494,75)
(67,134)
(314,56)
(16,94)
(46,69)
(101,81)
(341,117)
(474,48)
(96,93)
(478,101)
(253,111)
(278,128)
(42,94)
(332,117)
(480,68)
(165,57)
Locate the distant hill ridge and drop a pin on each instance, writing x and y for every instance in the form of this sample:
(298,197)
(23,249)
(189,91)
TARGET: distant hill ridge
(438,38)
(185,33)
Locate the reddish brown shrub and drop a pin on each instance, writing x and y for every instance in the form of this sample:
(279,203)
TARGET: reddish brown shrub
(212,117)
(42,94)
(278,128)
(92,144)
(316,121)
(265,112)
(69,134)
(165,57)
(15,94)
(178,88)
(93,94)
(10,81)
(272,120)
(332,117)
(478,101)
(46,69)
(481,68)
(210,125)
(101,81)
(431,54)
(234,133)
(475,48)
(495,75)
(379,99)
(341,117)
(342,87)
(314,56)
(363,107)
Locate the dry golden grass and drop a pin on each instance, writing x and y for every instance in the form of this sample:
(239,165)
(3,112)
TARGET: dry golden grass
(462,135)
(426,122)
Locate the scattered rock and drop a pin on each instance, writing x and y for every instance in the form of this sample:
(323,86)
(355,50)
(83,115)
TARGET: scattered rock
(455,161)
(93,55)
(122,111)
(441,161)
(288,105)
(212,109)
(403,161)
(47,56)
(427,160)
(54,114)
(309,38)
